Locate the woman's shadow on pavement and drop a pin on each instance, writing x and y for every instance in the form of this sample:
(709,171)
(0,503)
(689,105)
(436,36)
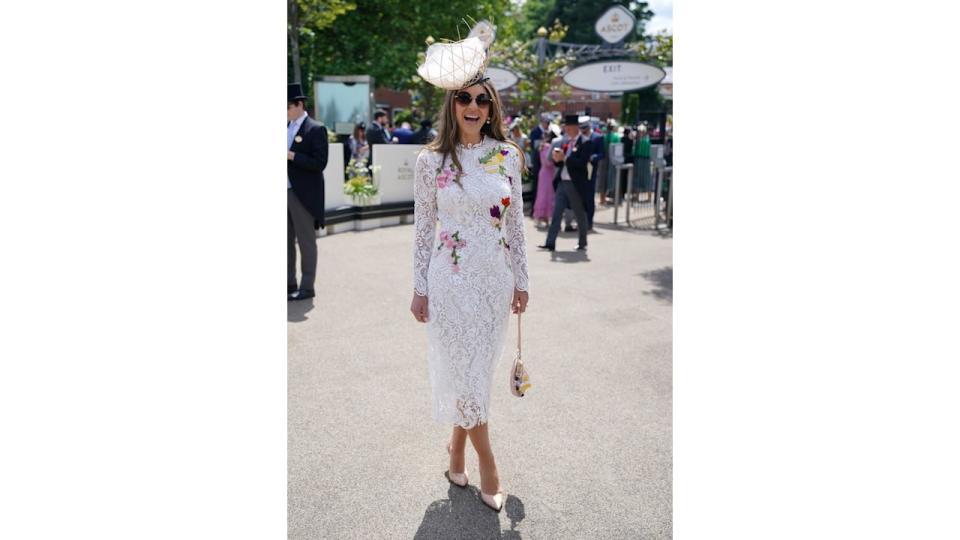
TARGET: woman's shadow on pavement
(464,516)
(297,310)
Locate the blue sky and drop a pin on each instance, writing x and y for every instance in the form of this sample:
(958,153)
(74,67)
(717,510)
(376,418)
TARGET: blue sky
(662,16)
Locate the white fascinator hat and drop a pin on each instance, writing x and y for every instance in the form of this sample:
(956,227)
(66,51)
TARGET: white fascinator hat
(456,65)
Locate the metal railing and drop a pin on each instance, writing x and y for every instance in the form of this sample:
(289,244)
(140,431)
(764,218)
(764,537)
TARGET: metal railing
(657,210)
(617,199)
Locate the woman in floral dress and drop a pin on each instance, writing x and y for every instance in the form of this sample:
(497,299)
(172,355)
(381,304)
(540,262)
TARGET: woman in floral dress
(470,275)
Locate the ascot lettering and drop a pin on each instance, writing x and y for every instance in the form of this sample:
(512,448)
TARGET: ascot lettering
(615,27)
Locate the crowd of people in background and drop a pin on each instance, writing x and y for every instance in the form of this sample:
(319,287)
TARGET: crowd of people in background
(538,145)
(380,132)
(637,143)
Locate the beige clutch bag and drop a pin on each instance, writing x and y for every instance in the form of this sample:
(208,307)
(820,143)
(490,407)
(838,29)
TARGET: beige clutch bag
(519,378)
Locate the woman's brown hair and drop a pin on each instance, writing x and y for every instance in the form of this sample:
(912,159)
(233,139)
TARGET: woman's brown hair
(448,131)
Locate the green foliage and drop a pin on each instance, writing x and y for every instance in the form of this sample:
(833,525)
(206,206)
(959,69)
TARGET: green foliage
(403,116)
(359,185)
(382,37)
(537,79)
(533,15)
(320,14)
(657,50)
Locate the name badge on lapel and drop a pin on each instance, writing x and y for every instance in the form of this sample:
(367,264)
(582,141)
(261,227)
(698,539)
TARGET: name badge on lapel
(298,139)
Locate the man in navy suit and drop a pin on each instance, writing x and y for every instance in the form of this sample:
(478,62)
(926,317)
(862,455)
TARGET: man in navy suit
(571,155)
(306,158)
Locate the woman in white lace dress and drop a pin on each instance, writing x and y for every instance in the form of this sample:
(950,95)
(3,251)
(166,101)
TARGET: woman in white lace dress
(473,273)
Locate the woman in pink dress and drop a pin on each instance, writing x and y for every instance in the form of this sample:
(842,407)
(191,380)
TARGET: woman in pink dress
(543,205)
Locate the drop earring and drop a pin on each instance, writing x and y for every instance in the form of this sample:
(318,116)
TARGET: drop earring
(488,121)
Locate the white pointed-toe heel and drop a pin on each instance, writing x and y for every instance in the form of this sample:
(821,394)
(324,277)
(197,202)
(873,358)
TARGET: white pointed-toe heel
(458,479)
(493,502)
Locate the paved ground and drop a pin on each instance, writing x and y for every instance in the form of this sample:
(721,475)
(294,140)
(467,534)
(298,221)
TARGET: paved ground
(586,454)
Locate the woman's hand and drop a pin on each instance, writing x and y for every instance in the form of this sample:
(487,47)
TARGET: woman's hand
(519,302)
(419,308)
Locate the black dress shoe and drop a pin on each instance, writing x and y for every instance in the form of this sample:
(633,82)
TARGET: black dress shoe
(292,289)
(300,295)
(546,247)
(581,248)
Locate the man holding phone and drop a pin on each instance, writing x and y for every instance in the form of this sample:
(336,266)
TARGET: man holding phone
(571,155)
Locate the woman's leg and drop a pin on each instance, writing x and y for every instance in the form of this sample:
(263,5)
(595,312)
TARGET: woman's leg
(489,480)
(458,444)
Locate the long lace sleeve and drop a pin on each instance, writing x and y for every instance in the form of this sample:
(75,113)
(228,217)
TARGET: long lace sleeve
(424,220)
(514,233)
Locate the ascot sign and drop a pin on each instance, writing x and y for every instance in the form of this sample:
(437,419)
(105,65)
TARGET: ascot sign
(614,76)
(615,24)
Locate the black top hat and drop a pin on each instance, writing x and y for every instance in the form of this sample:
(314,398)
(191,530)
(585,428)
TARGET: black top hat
(571,120)
(295,92)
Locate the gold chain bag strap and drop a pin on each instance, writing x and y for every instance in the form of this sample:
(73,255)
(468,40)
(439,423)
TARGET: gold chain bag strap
(519,378)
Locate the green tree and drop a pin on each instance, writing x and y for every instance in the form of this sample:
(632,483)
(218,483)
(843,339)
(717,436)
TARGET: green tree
(533,15)
(315,14)
(657,50)
(537,79)
(381,38)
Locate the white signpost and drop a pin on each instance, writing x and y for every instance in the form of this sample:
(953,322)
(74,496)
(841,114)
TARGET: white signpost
(333,196)
(615,24)
(614,76)
(397,163)
(502,78)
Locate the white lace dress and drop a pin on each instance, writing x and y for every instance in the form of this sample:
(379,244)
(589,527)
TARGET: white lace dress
(468,271)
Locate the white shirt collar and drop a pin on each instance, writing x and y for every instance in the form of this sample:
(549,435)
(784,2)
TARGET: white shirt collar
(298,121)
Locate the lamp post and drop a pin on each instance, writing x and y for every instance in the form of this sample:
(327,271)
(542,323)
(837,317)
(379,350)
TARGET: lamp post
(541,57)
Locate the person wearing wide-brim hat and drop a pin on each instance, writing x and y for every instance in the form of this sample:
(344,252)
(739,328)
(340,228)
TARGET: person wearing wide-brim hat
(307,148)
(469,278)
(571,155)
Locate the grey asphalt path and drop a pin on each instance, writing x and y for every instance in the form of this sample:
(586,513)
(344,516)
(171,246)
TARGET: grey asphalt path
(586,454)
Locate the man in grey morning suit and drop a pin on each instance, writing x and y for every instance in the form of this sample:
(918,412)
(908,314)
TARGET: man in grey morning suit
(307,148)
(571,155)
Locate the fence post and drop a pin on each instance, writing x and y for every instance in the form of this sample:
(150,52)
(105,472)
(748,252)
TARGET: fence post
(618,195)
(670,201)
(656,199)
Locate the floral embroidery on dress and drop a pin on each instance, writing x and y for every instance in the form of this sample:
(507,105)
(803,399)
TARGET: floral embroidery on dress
(445,177)
(454,242)
(493,160)
(496,217)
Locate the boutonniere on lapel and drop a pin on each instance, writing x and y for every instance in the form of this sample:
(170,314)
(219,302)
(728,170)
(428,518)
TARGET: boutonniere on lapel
(298,139)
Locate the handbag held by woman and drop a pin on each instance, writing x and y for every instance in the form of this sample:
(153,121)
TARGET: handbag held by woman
(519,378)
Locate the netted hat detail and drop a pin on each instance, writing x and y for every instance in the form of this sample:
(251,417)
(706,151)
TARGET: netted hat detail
(456,65)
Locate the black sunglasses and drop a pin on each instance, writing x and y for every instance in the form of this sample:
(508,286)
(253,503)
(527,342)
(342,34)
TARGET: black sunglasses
(464,98)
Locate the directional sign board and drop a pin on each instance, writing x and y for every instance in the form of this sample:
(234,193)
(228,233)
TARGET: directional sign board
(502,78)
(614,76)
